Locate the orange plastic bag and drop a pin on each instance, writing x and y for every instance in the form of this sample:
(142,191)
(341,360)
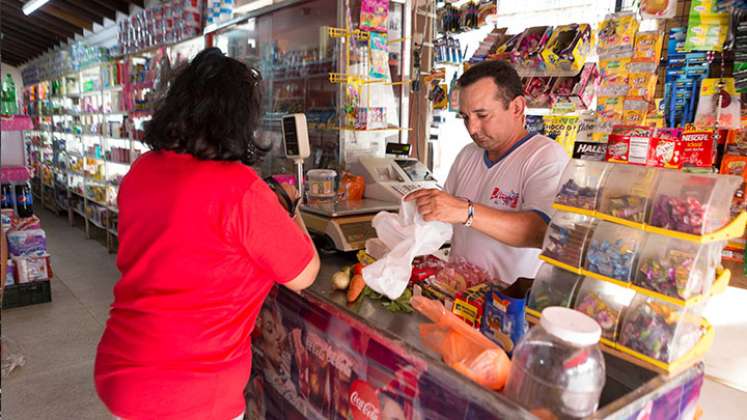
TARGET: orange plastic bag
(462,347)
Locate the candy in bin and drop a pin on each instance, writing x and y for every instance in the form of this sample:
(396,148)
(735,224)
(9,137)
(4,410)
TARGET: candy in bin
(566,238)
(580,184)
(552,286)
(626,192)
(693,203)
(677,268)
(613,250)
(660,330)
(567,47)
(605,303)
(529,48)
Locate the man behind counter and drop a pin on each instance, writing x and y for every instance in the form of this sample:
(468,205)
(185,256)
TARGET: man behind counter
(500,189)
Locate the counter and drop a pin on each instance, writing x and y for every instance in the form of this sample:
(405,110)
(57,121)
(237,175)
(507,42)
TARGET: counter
(315,356)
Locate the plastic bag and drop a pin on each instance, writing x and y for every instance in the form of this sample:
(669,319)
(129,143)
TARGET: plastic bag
(462,347)
(407,236)
(11,356)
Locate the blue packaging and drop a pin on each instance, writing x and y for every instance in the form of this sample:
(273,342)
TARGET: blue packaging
(504,312)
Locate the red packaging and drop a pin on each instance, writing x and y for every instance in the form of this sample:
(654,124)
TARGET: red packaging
(424,267)
(698,150)
(665,150)
(469,305)
(629,144)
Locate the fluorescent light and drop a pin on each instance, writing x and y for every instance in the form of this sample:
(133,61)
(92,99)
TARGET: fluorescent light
(30,6)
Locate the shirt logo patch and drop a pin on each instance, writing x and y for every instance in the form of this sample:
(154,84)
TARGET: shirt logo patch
(507,199)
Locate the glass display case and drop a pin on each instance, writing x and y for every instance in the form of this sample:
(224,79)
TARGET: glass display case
(605,303)
(552,286)
(693,203)
(613,251)
(580,184)
(627,191)
(567,237)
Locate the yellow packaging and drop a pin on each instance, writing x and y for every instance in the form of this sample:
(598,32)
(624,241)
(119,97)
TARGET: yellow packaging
(610,107)
(642,85)
(616,34)
(648,46)
(563,55)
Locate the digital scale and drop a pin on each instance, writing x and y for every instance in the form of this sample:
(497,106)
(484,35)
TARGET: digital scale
(347,224)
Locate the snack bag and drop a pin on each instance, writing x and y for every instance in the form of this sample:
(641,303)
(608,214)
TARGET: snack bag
(379,56)
(658,9)
(730,104)
(734,165)
(648,46)
(616,35)
(374,15)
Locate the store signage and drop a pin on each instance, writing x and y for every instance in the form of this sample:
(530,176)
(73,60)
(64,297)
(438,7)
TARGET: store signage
(589,150)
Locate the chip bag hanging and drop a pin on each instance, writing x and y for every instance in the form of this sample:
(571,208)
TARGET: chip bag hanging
(374,15)
(718,100)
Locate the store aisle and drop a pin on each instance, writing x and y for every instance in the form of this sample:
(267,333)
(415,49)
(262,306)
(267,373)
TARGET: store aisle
(58,339)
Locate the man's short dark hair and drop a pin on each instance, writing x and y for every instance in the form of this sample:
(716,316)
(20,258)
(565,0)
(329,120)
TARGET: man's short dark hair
(211,111)
(503,74)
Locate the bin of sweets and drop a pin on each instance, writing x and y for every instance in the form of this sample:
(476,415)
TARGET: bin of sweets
(557,370)
(626,192)
(612,251)
(552,286)
(605,303)
(660,330)
(581,183)
(697,204)
(566,238)
(676,267)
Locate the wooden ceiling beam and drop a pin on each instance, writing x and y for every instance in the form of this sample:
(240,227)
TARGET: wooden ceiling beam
(83,12)
(11,9)
(15,28)
(13,57)
(27,26)
(94,8)
(57,12)
(21,48)
(24,38)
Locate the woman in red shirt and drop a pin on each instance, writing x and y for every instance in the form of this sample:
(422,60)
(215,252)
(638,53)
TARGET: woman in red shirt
(202,240)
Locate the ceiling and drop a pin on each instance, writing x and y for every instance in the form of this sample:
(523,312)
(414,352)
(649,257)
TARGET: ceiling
(27,37)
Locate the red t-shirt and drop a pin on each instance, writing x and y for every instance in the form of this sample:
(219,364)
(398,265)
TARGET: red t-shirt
(201,244)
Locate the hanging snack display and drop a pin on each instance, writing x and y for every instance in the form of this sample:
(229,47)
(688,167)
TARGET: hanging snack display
(567,47)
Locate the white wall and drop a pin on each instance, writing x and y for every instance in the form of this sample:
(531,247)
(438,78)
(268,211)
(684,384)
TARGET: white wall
(15,72)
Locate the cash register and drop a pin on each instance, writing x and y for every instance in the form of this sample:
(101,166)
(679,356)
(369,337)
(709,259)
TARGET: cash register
(345,225)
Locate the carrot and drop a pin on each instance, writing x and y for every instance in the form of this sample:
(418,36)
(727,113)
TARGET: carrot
(356,288)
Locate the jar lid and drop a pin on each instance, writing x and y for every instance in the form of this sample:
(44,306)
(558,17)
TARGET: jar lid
(321,173)
(570,326)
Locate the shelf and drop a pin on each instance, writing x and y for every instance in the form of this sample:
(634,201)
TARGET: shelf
(98,225)
(96,202)
(734,229)
(118,163)
(90,93)
(719,285)
(80,213)
(113,232)
(113,88)
(694,355)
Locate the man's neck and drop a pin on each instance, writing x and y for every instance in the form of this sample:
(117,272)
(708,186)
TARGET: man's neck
(496,154)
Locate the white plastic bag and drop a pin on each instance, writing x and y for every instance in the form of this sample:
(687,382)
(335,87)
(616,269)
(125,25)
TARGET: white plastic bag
(407,236)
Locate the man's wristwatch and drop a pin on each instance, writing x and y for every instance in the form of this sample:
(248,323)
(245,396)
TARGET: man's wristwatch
(470,213)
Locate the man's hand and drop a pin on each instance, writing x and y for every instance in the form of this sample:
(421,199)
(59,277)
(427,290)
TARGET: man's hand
(437,205)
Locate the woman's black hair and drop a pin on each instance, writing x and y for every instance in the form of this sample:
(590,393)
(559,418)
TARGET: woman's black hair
(211,111)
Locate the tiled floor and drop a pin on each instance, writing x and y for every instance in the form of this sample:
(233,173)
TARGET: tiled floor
(59,339)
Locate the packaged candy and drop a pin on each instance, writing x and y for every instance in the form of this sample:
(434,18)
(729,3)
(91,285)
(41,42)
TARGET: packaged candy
(660,330)
(469,304)
(614,77)
(658,9)
(528,51)
(613,250)
(578,89)
(616,35)
(693,203)
(580,184)
(23,243)
(642,85)
(629,144)
(552,286)
(505,313)
(666,148)
(718,97)
(734,165)
(460,275)
(626,192)
(374,15)
(736,142)
(537,92)
(589,151)
(379,67)
(677,268)
(567,47)
(566,238)
(648,46)
(562,129)
(707,26)
(610,108)
(604,302)
(32,268)
(634,111)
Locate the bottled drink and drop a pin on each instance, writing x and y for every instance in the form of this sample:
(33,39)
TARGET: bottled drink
(6,200)
(24,201)
(9,96)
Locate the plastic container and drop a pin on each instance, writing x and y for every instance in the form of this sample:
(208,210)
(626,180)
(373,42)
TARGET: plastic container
(604,302)
(321,183)
(626,192)
(660,330)
(613,250)
(676,267)
(581,183)
(552,286)
(693,203)
(567,237)
(558,368)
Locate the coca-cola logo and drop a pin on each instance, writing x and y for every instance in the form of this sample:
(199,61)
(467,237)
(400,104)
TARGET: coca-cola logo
(364,402)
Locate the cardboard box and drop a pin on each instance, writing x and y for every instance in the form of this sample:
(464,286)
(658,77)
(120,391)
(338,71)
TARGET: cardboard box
(629,144)
(698,150)
(665,150)
(469,305)
(567,48)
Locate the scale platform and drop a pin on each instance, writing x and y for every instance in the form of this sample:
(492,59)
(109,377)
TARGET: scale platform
(346,223)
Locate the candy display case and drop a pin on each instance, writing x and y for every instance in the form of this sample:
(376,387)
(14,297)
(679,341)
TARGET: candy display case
(613,250)
(605,303)
(580,185)
(552,287)
(626,193)
(661,331)
(567,237)
(695,204)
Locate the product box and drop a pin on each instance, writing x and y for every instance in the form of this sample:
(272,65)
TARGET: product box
(665,150)
(23,243)
(528,51)
(370,118)
(32,268)
(567,48)
(504,312)
(579,89)
(469,304)
(734,165)
(698,150)
(589,150)
(629,144)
